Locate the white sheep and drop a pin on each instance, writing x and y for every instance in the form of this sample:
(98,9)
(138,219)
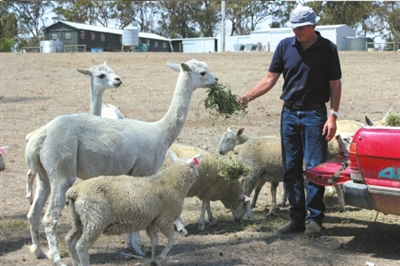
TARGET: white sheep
(122,204)
(348,126)
(102,77)
(86,146)
(211,186)
(263,155)
(2,163)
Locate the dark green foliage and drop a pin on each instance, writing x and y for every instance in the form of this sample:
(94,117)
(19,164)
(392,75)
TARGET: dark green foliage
(232,171)
(221,102)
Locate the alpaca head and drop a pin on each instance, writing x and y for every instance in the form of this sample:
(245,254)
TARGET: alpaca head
(102,78)
(198,72)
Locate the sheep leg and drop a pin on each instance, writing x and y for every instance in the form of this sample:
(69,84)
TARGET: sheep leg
(71,239)
(168,231)
(87,238)
(133,241)
(42,193)
(180,227)
(257,192)
(340,197)
(29,181)
(204,206)
(211,218)
(54,208)
(274,208)
(283,200)
(152,233)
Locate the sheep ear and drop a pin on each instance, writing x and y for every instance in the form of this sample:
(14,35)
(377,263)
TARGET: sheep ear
(369,121)
(174,67)
(196,159)
(240,132)
(244,198)
(3,149)
(105,63)
(172,156)
(84,71)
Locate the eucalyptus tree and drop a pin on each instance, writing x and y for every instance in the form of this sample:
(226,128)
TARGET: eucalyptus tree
(29,15)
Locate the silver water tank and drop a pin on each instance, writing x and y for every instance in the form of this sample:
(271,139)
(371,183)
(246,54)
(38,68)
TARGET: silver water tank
(51,46)
(130,36)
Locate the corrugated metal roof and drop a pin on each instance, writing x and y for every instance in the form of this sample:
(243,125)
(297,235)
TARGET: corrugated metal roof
(82,26)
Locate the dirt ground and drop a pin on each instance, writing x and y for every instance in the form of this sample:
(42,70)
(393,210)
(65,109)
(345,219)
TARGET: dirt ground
(35,88)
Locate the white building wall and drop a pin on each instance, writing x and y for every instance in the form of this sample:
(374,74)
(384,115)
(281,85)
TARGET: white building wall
(198,45)
(270,38)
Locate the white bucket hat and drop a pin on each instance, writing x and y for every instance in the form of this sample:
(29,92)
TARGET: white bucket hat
(302,16)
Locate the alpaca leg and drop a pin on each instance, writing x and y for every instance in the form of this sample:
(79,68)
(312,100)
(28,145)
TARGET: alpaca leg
(202,225)
(211,218)
(168,231)
(29,181)
(180,227)
(340,197)
(42,193)
(133,241)
(274,207)
(50,220)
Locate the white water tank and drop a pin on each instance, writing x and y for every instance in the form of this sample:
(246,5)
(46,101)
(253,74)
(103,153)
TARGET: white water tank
(130,36)
(51,46)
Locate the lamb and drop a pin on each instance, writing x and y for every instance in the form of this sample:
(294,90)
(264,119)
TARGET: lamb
(122,204)
(102,77)
(263,155)
(2,163)
(211,186)
(86,146)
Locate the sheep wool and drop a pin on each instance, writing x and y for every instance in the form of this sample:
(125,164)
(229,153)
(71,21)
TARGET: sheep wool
(124,204)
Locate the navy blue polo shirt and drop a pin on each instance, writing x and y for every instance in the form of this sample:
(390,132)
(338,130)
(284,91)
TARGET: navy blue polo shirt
(306,73)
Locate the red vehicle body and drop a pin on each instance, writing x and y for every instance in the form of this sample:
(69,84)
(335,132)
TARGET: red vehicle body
(370,174)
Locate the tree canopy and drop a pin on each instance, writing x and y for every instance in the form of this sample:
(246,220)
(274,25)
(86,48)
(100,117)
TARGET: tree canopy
(21,21)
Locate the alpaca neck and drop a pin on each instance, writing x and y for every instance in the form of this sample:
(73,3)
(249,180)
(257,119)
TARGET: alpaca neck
(96,101)
(173,121)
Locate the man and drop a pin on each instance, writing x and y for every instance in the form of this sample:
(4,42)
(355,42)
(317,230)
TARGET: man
(311,71)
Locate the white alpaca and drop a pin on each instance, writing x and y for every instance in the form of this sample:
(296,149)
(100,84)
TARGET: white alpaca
(86,146)
(102,77)
(2,163)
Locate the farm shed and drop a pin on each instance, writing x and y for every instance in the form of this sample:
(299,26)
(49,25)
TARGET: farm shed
(269,38)
(103,38)
(198,45)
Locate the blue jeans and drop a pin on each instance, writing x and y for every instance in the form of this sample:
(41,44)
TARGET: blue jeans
(302,141)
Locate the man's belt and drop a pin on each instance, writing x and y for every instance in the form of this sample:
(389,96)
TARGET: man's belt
(301,108)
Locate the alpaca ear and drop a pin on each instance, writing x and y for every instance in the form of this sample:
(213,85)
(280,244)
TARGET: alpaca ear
(84,71)
(185,67)
(173,66)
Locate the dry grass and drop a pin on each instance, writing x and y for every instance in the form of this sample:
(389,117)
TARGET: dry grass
(36,88)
